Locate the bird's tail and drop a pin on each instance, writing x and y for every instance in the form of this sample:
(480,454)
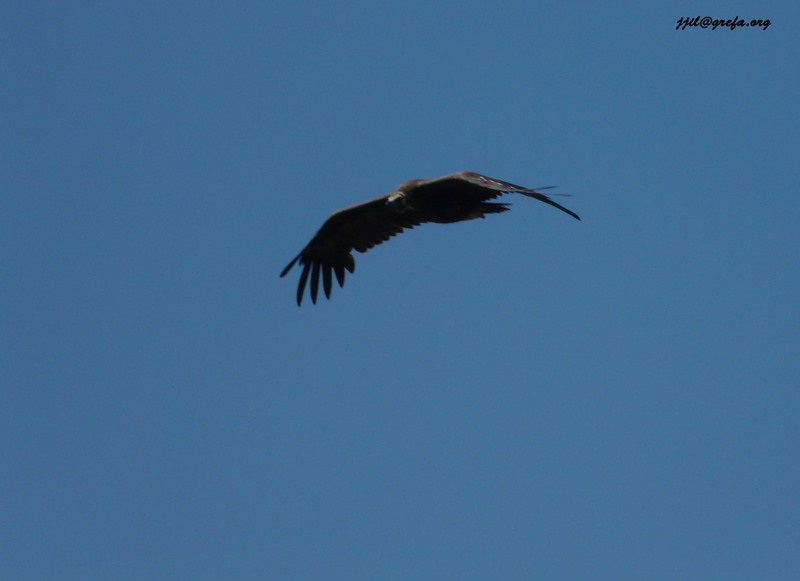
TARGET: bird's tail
(493,207)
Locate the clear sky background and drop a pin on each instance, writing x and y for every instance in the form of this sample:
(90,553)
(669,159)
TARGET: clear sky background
(525,396)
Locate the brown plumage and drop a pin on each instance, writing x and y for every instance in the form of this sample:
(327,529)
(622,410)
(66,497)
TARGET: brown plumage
(452,198)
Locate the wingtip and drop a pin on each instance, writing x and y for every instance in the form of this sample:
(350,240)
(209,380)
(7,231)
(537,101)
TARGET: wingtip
(548,200)
(289,266)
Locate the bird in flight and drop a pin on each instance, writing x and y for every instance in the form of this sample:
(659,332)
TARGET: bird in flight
(445,200)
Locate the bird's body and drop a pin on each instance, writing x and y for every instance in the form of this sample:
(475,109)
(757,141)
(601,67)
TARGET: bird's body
(445,200)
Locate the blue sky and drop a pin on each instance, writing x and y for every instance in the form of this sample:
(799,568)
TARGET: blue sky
(526,396)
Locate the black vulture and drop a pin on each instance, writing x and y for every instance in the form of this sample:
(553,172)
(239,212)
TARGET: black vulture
(451,198)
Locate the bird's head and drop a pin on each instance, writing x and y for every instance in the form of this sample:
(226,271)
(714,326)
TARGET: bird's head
(397,201)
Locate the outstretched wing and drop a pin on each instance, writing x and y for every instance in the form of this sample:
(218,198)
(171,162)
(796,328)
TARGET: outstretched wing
(358,227)
(493,188)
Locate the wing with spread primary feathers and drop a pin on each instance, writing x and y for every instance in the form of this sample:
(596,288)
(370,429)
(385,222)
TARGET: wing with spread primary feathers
(358,227)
